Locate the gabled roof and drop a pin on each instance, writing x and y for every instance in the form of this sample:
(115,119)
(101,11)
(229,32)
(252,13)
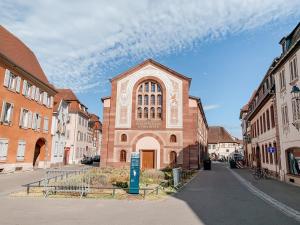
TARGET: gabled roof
(153,62)
(217,134)
(67,94)
(58,98)
(19,54)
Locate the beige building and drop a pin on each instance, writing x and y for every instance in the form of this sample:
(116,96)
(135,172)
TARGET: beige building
(288,105)
(220,143)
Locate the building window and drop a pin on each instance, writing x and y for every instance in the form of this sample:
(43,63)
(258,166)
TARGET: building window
(146,113)
(173,138)
(152,113)
(272,116)
(268,119)
(123,137)
(282,80)
(21,150)
(123,156)
(159,113)
(152,99)
(140,100)
(267,153)
(294,161)
(173,158)
(285,118)
(25,118)
(139,113)
(146,100)
(3,149)
(264,119)
(271,154)
(296,109)
(46,123)
(7,113)
(261,125)
(149,97)
(293,69)
(263,153)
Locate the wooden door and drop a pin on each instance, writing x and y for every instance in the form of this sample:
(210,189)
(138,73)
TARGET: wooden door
(148,159)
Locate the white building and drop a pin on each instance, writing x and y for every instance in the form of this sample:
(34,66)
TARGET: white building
(60,119)
(77,132)
(220,143)
(288,106)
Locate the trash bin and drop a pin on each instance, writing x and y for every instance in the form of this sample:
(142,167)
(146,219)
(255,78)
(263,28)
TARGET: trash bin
(232,164)
(207,164)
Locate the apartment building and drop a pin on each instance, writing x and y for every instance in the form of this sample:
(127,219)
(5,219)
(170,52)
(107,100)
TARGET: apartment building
(286,74)
(60,118)
(77,130)
(26,101)
(96,126)
(220,143)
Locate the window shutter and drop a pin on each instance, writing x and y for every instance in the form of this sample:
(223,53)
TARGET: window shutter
(53,130)
(2,111)
(18,86)
(6,78)
(29,119)
(11,114)
(33,125)
(33,92)
(37,94)
(39,122)
(24,87)
(51,101)
(45,98)
(21,116)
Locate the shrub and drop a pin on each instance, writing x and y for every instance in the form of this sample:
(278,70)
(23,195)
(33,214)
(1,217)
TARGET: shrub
(151,176)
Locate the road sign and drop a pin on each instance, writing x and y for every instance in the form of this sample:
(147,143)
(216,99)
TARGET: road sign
(134,173)
(271,149)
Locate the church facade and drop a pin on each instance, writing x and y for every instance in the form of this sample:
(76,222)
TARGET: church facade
(151,112)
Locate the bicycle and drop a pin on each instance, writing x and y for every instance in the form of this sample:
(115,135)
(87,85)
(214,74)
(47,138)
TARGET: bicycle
(260,174)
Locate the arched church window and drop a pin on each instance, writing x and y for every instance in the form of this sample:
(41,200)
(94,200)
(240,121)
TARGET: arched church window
(173,138)
(149,100)
(139,112)
(140,99)
(152,113)
(145,113)
(159,113)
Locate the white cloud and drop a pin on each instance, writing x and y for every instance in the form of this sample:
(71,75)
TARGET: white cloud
(78,41)
(210,107)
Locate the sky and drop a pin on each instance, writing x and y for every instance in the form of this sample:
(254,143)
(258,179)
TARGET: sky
(225,46)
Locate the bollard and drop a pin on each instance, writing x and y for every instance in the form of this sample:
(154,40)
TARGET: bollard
(114,190)
(156,190)
(144,193)
(27,189)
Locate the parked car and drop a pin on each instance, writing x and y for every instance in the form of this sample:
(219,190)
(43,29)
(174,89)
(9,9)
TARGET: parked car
(87,160)
(96,158)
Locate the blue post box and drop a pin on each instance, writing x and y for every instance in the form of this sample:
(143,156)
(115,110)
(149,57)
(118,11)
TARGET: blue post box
(134,173)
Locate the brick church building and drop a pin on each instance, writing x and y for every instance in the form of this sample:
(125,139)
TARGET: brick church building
(150,111)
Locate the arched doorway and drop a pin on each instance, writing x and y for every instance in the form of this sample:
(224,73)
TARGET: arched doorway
(149,149)
(39,153)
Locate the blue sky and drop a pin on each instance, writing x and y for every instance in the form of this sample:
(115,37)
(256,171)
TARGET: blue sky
(225,46)
(224,72)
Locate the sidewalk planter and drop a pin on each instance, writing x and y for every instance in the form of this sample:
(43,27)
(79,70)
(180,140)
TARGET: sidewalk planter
(207,164)
(232,164)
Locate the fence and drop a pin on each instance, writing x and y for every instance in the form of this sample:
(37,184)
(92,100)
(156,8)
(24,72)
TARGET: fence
(68,181)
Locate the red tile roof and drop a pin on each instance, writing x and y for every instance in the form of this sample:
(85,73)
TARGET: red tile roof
(218,134)
(18,53)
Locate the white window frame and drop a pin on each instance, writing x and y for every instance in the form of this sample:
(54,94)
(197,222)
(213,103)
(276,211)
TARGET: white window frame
(293,68)
(21,150)
(296,109)
(282,80)
(4,117)
(46,124)
(3,149)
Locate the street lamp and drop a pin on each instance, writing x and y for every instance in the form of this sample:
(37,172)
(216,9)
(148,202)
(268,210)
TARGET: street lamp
(296,95)
(295,92)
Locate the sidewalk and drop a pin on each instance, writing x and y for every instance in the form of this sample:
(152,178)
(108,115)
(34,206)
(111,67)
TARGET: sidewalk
(281,191)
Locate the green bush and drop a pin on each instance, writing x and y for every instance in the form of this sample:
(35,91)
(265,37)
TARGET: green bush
(122,184)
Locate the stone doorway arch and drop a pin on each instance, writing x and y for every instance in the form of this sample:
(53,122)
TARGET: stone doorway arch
(39,156)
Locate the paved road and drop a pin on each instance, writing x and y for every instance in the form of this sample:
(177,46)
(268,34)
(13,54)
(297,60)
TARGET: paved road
(212,198)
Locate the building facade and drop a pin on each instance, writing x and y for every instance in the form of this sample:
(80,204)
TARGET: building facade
(26,101)
(60,119)
(151,112)
(77,129)
(221,144)
(271,122)
(286,74)
(96,126)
